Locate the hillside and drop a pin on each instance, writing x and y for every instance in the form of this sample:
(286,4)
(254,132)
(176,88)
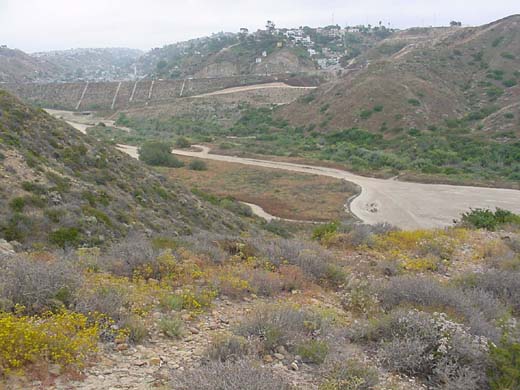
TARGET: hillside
(59,187)
(224,55)
(19,67)
(426,78)
(96,64)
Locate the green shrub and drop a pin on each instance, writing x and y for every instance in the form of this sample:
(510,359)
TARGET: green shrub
(182,143)
(136,327)
(324,108)
(17,204)
(365,114)
(158,154)
(414,102)
(313,351)
(198,165)
(508,55)
(497,41)
(35,188)
(489,220)
(172,327)
(173,302)
(65,237)
(509,83)
(325,231)
(505,371)
(494,92)
(378,108)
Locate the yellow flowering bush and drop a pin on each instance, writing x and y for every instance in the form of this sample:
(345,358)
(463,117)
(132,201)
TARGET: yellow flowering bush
(420,250)
(197,300)
(64,338)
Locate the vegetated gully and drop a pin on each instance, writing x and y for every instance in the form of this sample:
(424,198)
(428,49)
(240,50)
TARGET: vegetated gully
(406,205)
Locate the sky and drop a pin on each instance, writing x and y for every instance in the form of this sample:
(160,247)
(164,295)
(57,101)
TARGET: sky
(41,25)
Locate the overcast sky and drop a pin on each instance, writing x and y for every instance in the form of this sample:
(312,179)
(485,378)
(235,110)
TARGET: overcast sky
(38,25)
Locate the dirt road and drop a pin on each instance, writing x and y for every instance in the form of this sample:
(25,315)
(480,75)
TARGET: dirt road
(404,204)
(251,88)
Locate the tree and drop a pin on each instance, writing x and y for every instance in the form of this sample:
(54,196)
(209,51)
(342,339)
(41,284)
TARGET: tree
(454,23)
(158,153)
(182,143)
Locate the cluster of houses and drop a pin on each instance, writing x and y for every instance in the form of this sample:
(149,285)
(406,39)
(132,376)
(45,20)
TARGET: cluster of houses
(305,37)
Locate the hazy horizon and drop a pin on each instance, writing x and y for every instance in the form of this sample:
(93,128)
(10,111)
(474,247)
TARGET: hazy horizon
(55,25)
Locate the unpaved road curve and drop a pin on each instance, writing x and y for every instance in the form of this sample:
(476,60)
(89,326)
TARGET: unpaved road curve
(404,204)
(251,88)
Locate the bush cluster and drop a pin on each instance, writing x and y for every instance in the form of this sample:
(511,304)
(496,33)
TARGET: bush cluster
(159,153)
(230,375)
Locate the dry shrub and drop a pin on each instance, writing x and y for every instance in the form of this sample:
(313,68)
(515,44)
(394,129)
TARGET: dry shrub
(477,309)
(292,277)
(282,325)
(503,285)
(207,246)
(230,375)
(137,256)
(38,285)
(315,262)
(226,347)
(431,347)
(263,282)
(349,375)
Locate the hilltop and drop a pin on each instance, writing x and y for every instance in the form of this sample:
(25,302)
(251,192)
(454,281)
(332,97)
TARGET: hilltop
(426,78)
(270,51)
(96,64)
(19,67)
(61,188)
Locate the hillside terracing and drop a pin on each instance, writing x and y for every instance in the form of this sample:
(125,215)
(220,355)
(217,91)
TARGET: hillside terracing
(120,95)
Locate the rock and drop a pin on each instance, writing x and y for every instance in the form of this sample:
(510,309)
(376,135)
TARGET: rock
(279,356)
(155,361)
(122,347)
(281,349)
(294,366)
(268,359)
(140,363)
(186,317)
(213,326)
(194,330)
(298,358)
(6,248)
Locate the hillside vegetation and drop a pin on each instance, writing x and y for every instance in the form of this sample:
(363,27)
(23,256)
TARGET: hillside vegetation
(61,188)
